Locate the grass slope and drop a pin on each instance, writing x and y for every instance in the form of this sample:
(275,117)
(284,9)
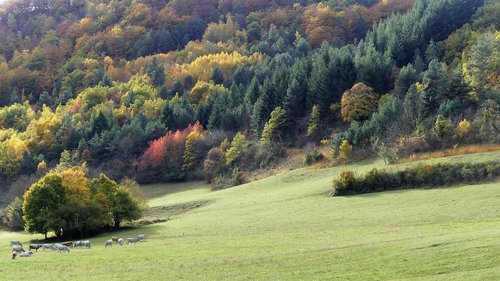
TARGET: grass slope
(285,228)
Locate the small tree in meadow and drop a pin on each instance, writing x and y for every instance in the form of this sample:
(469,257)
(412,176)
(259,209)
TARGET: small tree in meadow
(345,150)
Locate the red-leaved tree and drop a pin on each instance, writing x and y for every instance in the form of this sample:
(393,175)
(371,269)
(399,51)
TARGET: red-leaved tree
(162,160)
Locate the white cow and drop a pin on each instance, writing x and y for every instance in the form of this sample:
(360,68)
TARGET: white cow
(50,246)
(108,242)
(35,246)
(17,248)
(26,254)
(16,242)
(132,240)
(86,244)
(61,248)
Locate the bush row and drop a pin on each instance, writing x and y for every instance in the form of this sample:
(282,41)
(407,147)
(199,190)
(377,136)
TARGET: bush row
(428,175)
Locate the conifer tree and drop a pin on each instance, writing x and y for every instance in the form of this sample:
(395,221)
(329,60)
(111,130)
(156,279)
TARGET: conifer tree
(275,129)
(407,77)
(318,90)
(314,122)
(435,87)
(156,72)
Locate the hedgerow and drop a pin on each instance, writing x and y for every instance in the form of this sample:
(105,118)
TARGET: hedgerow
(424,175)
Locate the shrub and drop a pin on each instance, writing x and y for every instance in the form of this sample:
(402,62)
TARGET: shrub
(222,182)
(314,156)
(345,184)
(214,163)
(441,174)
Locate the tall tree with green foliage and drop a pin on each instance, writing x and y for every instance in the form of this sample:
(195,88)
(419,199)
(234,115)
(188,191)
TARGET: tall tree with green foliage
(41,201)
(407,76)
(435,87)
(314,122)
(318,90)
(237,149)
(275,130)
(156,72)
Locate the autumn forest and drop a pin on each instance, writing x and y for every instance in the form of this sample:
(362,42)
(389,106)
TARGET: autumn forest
(174,90)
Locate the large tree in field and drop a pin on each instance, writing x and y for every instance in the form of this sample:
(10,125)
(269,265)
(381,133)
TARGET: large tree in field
(70,205)
(41,201)
(118,204)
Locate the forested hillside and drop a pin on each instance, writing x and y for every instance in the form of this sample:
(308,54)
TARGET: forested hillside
(186,89)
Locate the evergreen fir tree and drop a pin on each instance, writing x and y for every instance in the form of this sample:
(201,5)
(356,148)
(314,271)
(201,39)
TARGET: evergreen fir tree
(217,76)
(156,72)
(435,87)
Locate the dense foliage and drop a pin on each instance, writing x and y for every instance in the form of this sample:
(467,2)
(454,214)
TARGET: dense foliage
(441,174)
(157,90)
(70,205)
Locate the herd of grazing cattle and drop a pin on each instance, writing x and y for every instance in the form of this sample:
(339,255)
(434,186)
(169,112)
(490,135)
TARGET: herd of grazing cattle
(18,250)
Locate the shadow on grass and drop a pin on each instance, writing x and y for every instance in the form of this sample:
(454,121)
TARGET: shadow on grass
(164,213)
(161,189)
(131,231)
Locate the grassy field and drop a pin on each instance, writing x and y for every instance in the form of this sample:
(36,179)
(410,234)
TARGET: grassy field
(285,227)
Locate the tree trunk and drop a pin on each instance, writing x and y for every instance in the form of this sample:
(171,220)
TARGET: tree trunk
(117,223)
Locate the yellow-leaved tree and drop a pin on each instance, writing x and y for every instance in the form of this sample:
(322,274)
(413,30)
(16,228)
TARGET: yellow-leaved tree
(75,182)
(202,67)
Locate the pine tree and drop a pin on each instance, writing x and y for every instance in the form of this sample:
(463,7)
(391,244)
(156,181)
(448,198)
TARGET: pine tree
(431,53)
(459,89)
(275,129)
(100,124)
(412,105)
(256,119)
(167,117)
(314,122)
(163,92)
(407,77)
(295,101)
(156,72)
(318,90)
(435,87)
(373,68)
(217,77)
(252,94)
(178,88)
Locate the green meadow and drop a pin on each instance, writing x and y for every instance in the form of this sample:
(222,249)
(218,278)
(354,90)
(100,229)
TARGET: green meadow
(287,227)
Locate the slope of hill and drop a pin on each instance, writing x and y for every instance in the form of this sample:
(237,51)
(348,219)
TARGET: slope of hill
(287,227)
(165,91)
